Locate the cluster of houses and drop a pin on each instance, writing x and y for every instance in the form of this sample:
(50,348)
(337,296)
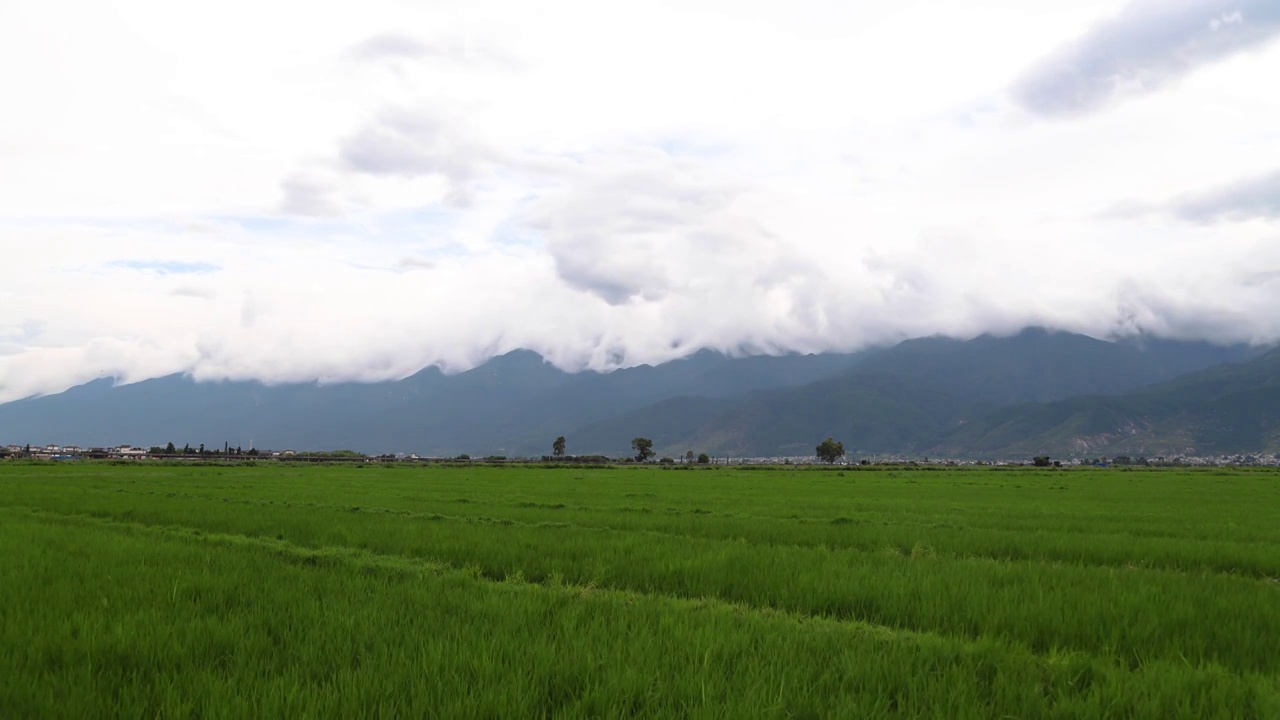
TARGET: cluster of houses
(72,452)
(115,452)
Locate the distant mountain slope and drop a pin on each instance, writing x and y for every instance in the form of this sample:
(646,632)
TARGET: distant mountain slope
(671,424)
(514,404)
(926,395)
(1226,409)
(907,398)
(1036,365)
(871,413)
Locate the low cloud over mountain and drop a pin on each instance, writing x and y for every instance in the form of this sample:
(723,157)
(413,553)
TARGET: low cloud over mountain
(391,187)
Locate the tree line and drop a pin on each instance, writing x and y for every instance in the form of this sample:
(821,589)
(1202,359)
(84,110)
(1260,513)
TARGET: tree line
(186,449)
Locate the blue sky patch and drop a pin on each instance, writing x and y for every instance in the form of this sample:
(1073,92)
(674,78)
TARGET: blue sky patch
(166,267)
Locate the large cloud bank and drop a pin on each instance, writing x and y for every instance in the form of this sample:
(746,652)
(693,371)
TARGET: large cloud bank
(1145,47)
(290,193)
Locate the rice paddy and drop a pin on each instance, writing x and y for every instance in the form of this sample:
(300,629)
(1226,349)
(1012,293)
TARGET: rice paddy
(477,591)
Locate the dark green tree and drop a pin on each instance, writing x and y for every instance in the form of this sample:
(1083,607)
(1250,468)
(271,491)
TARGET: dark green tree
(643,448)
(829,451)
(557,447)
(170,449)
(703,459)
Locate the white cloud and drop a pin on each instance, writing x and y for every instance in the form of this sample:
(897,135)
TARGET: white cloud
(385,187)
(309,195)
(1146,46)
(399,46)
(1248,199)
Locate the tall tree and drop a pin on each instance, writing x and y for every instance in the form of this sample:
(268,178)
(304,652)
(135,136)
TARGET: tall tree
(643,448)
(557,447)
(829,450)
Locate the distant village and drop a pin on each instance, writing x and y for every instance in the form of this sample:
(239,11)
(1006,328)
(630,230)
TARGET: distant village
(187,453)
(129,452)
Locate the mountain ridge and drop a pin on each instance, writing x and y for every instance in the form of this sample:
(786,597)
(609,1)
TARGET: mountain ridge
(927,395)
(908,398)
(1228,408)
(503,406)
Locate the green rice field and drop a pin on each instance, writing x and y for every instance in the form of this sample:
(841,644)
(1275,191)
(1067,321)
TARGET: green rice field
(144,591)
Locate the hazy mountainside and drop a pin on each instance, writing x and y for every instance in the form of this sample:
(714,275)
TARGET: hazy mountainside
(673,425)
(931,395)
(514,404)
(908,398)
(1226,409)
(1036,365)
(870,413)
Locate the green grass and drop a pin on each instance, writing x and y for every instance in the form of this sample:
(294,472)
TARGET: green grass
(531,592)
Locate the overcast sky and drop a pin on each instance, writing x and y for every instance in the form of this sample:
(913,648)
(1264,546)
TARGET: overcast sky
(301,190)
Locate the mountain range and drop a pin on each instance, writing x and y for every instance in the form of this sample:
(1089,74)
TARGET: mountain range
(1035,392)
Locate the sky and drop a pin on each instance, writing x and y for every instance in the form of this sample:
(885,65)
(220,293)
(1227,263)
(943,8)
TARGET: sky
(300,191)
